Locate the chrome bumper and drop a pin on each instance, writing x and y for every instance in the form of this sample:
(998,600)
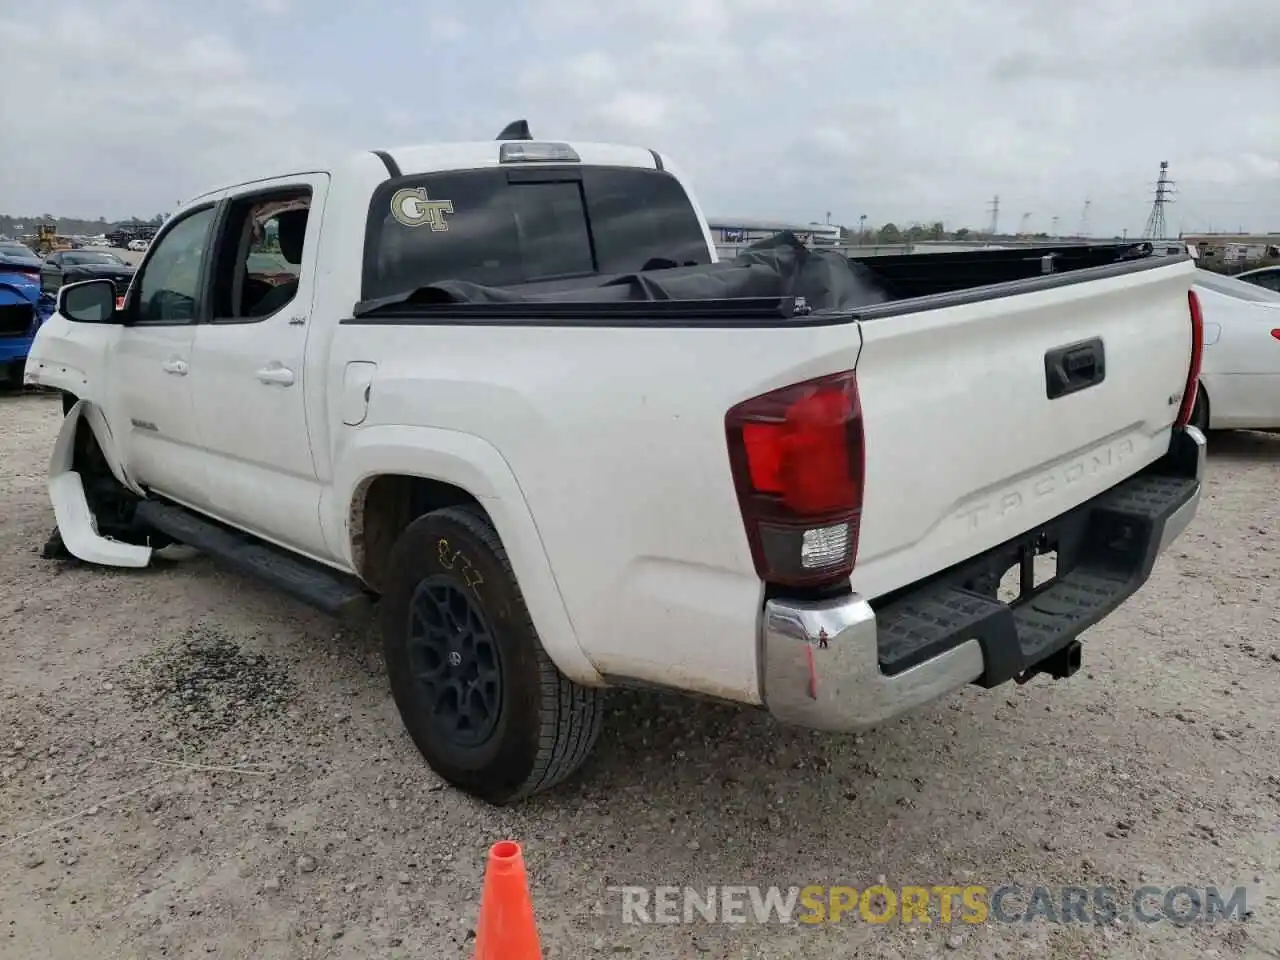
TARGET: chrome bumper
(820,662)
(1176,524)
(822,667)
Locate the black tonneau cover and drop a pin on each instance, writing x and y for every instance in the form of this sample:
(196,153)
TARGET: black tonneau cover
(776,268)
(779,273)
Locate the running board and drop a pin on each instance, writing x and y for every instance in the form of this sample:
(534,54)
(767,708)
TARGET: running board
(334,593)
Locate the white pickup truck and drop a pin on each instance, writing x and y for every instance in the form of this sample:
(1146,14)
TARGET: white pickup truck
(503,395)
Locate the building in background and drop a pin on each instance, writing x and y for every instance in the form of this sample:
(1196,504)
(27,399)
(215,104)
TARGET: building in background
(731,234)
(1235,252)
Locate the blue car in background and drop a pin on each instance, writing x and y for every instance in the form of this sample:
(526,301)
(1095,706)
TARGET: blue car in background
(23,308)
(18,256)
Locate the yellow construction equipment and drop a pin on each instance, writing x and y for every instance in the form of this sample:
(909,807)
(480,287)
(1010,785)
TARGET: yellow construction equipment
(46,238)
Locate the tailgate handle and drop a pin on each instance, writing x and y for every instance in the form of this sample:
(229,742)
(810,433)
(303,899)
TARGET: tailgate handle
(1076,366)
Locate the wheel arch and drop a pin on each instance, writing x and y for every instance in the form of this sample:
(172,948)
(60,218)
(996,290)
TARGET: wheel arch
(90,415)
(71,509)
(392,475)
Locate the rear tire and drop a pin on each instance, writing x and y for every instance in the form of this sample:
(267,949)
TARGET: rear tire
(479,696)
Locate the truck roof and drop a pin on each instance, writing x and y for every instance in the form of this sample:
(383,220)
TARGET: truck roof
(428,158)
(425,158)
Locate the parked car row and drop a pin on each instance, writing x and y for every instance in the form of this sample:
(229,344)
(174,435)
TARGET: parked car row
(69,266)
(28,286)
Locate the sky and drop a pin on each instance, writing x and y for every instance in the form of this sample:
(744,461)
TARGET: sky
(902,111)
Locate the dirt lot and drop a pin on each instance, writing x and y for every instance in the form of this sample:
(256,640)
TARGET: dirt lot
(327,836)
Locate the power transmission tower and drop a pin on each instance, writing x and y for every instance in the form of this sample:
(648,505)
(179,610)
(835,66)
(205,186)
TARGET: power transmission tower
(995,215)
(1156,229)
(1084,219)
(1022,227)
(1054,228)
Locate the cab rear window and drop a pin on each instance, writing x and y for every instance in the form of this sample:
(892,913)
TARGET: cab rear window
(504,227)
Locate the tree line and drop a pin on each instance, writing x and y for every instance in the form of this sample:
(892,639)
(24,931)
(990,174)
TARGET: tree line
(891,233)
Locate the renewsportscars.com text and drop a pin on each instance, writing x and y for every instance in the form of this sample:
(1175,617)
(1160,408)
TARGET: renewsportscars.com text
(971,904)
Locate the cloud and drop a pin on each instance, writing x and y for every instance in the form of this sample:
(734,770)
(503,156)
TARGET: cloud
(272,8)
(907,111)
(921,111)
(446,27)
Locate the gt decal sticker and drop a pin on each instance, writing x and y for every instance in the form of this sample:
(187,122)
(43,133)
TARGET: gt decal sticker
(411,207)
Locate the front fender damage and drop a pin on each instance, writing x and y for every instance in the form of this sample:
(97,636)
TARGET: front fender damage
(92,415)
(76,524)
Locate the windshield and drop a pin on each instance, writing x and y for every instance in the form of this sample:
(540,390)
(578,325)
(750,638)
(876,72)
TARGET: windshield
(81,257)
(15,250)
(503,227)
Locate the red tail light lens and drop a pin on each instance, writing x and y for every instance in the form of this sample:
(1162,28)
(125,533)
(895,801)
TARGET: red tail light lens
(798,461)
(1197,352)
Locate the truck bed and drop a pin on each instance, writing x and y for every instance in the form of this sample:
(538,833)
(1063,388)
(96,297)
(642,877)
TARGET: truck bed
(908,276)
(777,277)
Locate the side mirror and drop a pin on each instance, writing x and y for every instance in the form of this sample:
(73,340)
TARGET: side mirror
(89,301)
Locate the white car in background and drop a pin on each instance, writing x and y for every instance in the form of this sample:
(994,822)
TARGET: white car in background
(1266,277)
(1240,371)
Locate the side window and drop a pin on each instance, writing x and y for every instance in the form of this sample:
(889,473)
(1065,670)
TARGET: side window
(258,261)
(169,285)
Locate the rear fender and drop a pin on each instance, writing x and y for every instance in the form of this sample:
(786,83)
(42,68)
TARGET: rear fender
(75,520)
(474,465)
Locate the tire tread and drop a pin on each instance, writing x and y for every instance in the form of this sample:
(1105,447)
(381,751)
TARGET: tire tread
(572,715)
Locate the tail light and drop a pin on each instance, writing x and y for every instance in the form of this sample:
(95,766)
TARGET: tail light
(1197,351)
(798,462)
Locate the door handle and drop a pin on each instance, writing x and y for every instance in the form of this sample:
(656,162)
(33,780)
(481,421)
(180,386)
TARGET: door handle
(275,373)
(178,367)
(1074,367)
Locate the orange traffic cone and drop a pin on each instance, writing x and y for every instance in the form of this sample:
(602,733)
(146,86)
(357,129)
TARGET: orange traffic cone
(506,929)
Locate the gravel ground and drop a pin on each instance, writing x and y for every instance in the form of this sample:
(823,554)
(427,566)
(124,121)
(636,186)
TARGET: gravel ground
(326,836)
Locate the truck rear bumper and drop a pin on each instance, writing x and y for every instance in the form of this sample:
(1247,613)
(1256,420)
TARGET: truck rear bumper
(849,664)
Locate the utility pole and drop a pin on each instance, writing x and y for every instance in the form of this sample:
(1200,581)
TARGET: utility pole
(995,215)
(1156,228)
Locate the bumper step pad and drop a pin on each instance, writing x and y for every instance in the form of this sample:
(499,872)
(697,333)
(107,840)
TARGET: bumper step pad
(1106,551)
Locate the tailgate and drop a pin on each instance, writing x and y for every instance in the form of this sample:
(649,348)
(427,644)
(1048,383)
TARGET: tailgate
(965,446)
